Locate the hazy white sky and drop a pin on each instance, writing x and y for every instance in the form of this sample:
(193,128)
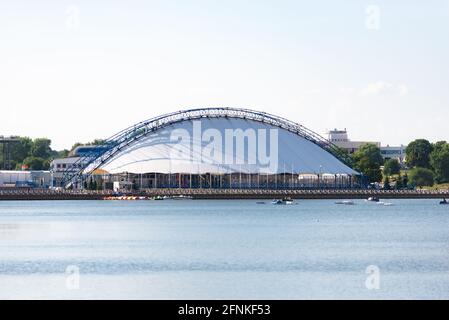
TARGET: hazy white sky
(78,70)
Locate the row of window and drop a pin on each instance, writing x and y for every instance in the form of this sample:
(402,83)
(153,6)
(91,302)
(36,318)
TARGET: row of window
(391,152)
(68,165)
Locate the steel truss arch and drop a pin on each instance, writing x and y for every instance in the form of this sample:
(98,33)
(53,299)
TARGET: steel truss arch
(93,160)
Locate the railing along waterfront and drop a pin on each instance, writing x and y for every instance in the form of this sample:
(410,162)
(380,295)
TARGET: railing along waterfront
(48,194)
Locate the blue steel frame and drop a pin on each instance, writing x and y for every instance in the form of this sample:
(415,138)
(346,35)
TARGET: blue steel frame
(93,160)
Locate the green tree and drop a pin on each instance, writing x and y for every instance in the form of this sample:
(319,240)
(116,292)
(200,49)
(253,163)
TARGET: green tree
(420,177)
(368,160)
(41,148)
(399,182)
(21,149)
(405,180)
(97,142)
(35,163)
(77,144)
(59,154)
(387,185)
(391,167)
(439,160)
(418,153)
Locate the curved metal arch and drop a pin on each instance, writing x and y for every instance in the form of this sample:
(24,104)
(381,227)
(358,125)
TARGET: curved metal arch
(92,161)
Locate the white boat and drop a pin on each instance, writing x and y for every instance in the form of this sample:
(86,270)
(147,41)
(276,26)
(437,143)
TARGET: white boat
(386,204)
(181,197)
(282,201)
(346,202)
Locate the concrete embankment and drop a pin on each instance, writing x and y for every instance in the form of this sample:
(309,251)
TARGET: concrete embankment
(301,194)
(44,194)
(36,195)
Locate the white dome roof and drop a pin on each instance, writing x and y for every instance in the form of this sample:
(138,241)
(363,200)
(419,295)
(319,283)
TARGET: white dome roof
(210,145)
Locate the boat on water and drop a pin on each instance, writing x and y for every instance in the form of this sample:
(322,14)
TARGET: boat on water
(373,199)
(181,197)
(444,201)
(385,204)
(158,198)
(125,198)
(346,202)
(282,201)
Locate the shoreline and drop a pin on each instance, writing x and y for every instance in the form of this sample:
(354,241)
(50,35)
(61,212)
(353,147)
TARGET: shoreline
(225,194)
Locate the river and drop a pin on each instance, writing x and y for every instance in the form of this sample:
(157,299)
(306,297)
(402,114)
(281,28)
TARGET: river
(223,249)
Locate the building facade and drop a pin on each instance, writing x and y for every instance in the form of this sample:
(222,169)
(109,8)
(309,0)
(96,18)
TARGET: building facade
(25,179)
(340,139)
(391,152)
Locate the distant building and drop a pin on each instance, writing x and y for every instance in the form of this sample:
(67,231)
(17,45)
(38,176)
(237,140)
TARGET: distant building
(340,139)
(397,153)
(82,151)
(60,166)
(25,179)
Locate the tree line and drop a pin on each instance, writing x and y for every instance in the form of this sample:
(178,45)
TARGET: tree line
(426,164)
(35,154)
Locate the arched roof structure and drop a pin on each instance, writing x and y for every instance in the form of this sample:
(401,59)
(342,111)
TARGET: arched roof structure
(148,146)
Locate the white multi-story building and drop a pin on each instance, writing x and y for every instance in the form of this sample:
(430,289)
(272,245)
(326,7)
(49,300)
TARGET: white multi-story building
(59,166)
(340,139)
(390,152)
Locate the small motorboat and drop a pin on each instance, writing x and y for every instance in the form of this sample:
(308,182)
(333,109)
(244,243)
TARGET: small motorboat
(181,197)
(444,201)
(373,199)
(282,201)
(158,198)
(346,202)
(385,204)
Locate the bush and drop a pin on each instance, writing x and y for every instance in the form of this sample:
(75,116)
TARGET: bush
(420,177)
(368,160)
(439,160)
(391,167)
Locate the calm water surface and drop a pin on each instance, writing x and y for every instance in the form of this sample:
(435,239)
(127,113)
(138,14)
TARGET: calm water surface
(199,249)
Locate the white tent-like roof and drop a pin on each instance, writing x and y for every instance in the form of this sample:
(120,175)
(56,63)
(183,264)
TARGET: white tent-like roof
(224,145)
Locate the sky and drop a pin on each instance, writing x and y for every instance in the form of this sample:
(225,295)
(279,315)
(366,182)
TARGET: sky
(79,70)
